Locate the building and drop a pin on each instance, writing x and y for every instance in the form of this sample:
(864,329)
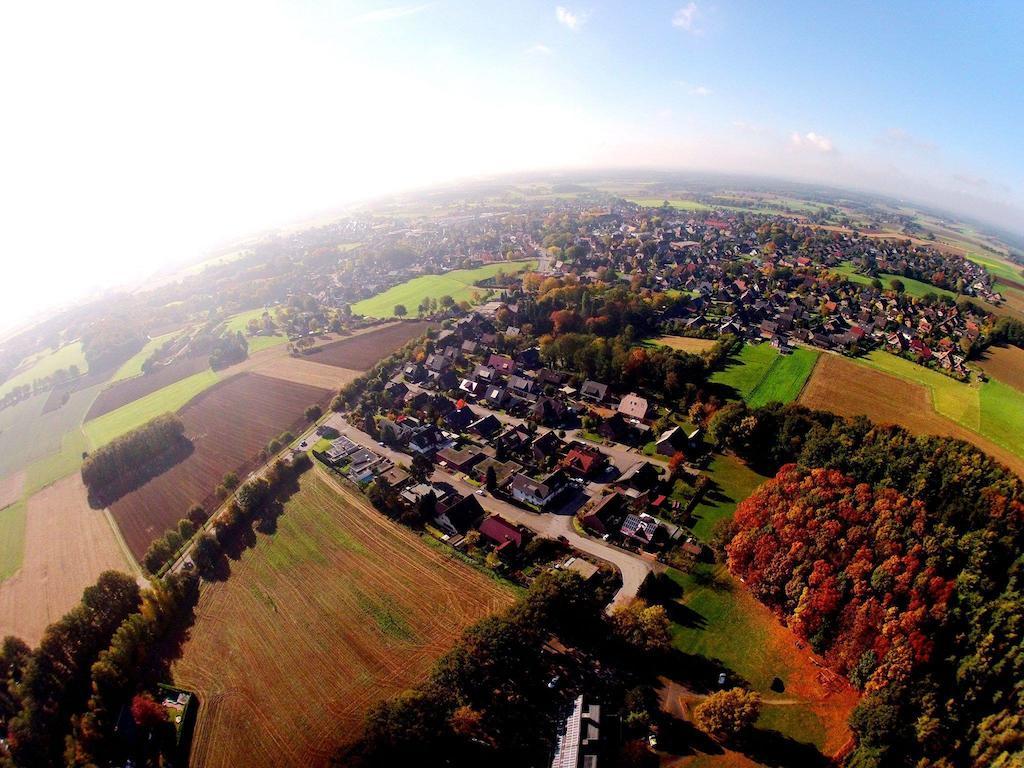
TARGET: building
(578,740)
(505,536)
(583,460)
(634,407)
(458,515)
(640,529)
(671,441)
(539,493)
(594,390)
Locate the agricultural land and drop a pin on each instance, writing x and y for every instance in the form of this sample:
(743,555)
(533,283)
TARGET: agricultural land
(760,374)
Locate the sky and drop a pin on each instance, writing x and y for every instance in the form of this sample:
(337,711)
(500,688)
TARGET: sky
(136,134)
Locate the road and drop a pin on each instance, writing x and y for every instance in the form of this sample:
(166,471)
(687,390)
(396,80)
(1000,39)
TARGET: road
(634,568)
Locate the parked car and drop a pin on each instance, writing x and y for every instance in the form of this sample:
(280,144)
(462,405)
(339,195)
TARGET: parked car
(721,678)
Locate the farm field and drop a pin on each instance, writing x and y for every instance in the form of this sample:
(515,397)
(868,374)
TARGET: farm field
(733,482)
(133,366)
(229,425)
(46,364)
(912,287)
(129,390)
(851,388)
(102,430)
(719,626)
(683,343)
(240,322)
(760,374)
(459,284)
(1005,364)
(11,487)
(305,371)
(362,350)
(377,604)
(679,205)
(12,537)
(66,547)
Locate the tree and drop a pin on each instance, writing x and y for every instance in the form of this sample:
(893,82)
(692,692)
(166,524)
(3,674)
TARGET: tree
(677,465)
(492,478)
(727,714)
(313,412)
(897,285)
(642,626)
(400,310)
(147,712)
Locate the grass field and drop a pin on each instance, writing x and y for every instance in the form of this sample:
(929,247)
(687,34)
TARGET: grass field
(133,367)
(679,205)
(12,538)
(46,364)
(912,287)
(54,466)
(377,607)
(733,482)
(104,429)
(998,267)
(240,322)
(459,284)
(682,343)
(760,374)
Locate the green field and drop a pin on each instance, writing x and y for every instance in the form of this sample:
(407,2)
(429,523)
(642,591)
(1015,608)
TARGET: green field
(990,408)
(133,367)
(914,288)
(733,482)
(459,284)
(996,266)
(240,322)
(54,466)
(12,538)
(42,365)
(760,374)
(679,205)
(102,430)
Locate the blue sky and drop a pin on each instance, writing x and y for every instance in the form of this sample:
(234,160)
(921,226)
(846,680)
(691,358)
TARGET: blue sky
(137,134)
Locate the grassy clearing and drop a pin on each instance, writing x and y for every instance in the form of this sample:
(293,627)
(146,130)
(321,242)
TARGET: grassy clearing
(56,466)
(114,424)
(459,284)
(12,538)
(240,322)
(915,288)
(679,205)
(1002,415)
(682,343)
(40,366)
(734,481)
(133,367)
(760,374)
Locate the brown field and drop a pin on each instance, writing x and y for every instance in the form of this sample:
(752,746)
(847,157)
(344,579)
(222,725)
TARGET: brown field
(67,545)
(685,343)
(844,387)
(229,424)
(10,488)
(1005,364)
(304,371)
(130,390)
(362,351)
(337,610)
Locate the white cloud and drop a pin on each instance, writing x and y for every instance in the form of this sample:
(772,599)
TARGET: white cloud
(701,90)
(686,18)
(812,140)
(389,14)
(571,19)
(539,49)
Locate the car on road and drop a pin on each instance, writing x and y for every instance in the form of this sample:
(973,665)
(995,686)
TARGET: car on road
(721,678)
(480,492)
(554,681)
(652,739)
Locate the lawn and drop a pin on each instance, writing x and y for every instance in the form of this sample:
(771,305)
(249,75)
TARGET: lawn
(240,322)
(12,538)
(133,367)
(733,482)
(102,430)
(459,284)
(915,288)
(45,364)
(760,374)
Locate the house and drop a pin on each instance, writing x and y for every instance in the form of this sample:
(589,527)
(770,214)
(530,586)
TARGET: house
(546,447)
(472,388)
(507,537)
(455,516)
(426,440)
(584,460)
(460,418)
(594,390)
(460,460)
(641,476)
(396,390)
(578,738)
(548,411)
(395,478)
(671,441)
(539,493)
(502,364)
(414,372)
(586,570)
(634,407)
(640,529)
(503,471)
(413,493)
(485,427)
(340,448)
(496,396)
(601,516)
(437,363)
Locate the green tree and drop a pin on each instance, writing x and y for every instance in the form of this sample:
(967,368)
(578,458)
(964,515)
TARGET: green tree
(400,310)
(727,714)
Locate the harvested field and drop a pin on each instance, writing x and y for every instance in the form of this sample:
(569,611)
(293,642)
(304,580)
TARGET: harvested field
(375,605)
(10,488)
(67,546)
(1005,364)
(130,390)
(304,371)
(850,389)
(362,351)
(684,343)
(229,424)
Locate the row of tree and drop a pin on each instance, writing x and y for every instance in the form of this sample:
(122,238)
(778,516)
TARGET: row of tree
(126,457)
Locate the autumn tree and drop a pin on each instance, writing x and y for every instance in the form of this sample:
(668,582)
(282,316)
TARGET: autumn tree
(642,627)
(727,714)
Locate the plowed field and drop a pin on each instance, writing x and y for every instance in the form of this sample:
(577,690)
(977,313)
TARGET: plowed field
(130,390)
(360,352)
(335,611)
(228,424)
